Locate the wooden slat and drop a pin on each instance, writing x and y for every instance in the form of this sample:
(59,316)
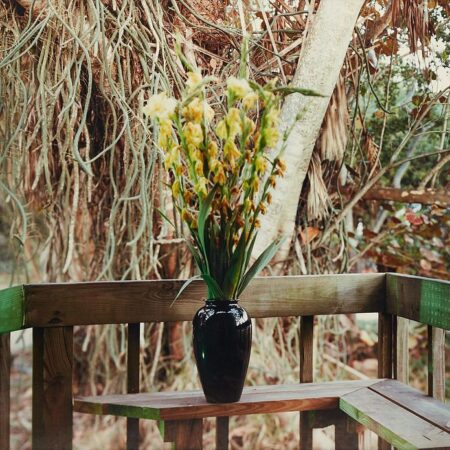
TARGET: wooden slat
(222,428)
(436,363)
(192,405)
(5,368)
(393,423)
(385,346)
(133,352)
(52,388)
(429,409)
(401,362)
(148,301)
(420,299)
(11,309)
(306,376)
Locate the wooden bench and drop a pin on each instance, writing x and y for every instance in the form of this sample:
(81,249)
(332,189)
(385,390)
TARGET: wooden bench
(52,310)
(181,411)
(402,416)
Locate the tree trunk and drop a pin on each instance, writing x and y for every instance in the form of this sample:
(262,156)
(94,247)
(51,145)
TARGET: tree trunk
(318,68)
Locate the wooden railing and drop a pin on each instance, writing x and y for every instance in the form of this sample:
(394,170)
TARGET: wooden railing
(53,309)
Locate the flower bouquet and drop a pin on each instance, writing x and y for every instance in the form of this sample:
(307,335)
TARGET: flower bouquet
(221,174)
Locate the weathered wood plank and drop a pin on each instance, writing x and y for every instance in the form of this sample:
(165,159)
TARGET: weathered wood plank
(420,299)
(222,429)
(5,368)
(133,352)
(306,376)
(192,404)
(401,360)
(185,434)
(149,301)
(385,345)
(428,408)
(436,363)
(52,388)
(11,309)
(393,423)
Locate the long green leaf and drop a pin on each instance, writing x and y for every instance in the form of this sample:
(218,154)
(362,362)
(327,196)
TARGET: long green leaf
(165,217)
(185,285)
(235,270)
(291,90)
(259,264)
(213,287)
(197,256)
(202,216)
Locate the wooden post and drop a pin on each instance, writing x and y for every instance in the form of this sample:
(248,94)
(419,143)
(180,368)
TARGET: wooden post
(52,388)
(385,355)
(306,375)
(222,425)
(436,363)
(401,357)
(186,434)
(5,373)
(345,434)
(133,351)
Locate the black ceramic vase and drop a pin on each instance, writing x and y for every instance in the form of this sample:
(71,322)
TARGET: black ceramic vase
(222,338)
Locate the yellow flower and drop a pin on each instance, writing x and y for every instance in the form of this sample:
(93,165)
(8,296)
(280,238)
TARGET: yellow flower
(247,205)
(160,106)
(249,101)
(230,150)
(215,165)
(201,186)
(221,130)
(193,133)
(176,188)
(272,117)
(271,135)
(193,111)
(212,150)
(199,167)
(260,165)
(255,184)
(234,122)
(239,87)
(197,109)
(186,215)
(220,177)
(172,157)
(165,131)
(194,79)
(249,125)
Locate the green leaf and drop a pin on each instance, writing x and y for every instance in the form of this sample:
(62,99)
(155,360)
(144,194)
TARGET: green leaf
(185,285)
(234,272)
(197,256)
(213,287)
(293,90)
(165,217)
(259,264)
(202,216)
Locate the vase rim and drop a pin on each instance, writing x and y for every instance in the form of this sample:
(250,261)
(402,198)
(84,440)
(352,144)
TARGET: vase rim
(222,300)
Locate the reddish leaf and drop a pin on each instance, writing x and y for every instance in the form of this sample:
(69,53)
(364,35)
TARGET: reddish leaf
(308,234)
(414,219)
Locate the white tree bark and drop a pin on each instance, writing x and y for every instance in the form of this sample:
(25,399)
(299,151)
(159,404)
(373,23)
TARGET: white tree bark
(322,56)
